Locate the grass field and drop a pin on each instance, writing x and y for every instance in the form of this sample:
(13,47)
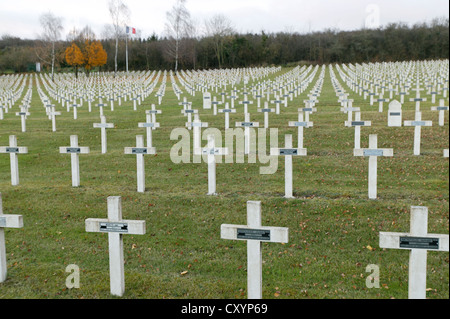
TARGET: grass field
(333,226)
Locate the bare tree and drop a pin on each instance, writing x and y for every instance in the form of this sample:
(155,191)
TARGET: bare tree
(218,27)
(120,15)
(52,28)
(177,27)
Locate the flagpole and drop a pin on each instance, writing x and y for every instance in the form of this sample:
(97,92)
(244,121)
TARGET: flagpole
(126,47)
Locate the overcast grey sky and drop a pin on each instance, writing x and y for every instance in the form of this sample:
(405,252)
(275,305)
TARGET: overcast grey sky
(21,17)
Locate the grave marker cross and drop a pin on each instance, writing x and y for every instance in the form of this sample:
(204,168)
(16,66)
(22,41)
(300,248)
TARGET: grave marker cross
(254,234)
(116,227)
(418,241)
(6,221)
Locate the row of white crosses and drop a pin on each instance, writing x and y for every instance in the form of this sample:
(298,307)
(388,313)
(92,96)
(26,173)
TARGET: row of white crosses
(395,116)
(418,241)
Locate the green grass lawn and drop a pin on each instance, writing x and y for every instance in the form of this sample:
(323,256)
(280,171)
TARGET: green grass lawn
(333,226)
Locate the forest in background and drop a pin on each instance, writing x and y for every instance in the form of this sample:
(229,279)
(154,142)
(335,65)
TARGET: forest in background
(394,42)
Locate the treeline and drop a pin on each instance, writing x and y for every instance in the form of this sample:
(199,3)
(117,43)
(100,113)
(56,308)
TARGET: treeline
(394,42)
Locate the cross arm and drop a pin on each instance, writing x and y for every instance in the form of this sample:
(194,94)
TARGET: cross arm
(11,221)
(139,150)
(132,227)
(392,240)
(78,150)
(244,232)
(14,149)
(387,152)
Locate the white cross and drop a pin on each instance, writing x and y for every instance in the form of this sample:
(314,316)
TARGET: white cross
(153,112)
(227,112)
(211,151)
(6,221)
(373,152)
(266,112)
(350,109)
(189,113)
(116,227)
(277,103)
(441,108)
(23,116)
(418,241)
(254,234)
(247,125)
(100,106)
(300,124)
(380,101)
(13,150)
(140,151)
(103,126)
(417,123)
(357,123)
(196,136)
(214,104)
(74,150)
(52,114)
(418,99)
(149,126)
(75,112)
(288,152)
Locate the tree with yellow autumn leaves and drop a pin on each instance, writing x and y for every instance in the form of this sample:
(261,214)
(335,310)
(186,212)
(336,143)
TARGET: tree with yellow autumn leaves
(91,56)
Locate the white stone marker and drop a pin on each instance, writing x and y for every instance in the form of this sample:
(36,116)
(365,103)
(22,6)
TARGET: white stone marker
(446,152)
(116,228)
(13,150)
(227,112)
(103,126)
(254,234)
(6,221)
(373,152)
(300,124)
(288,152)
(140,151)
(211,151)
(357,123)
(418,241)
(277,103)
(417,123)
(395,114)
(74,150)
(441,108)
(206,100)
(149,126)
(247,125)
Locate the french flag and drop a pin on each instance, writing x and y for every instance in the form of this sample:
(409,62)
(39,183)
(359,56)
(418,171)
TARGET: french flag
(132,30)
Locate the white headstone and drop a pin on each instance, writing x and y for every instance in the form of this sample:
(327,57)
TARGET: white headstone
(395,114)
(103,126)
(211,151)
(207,101)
